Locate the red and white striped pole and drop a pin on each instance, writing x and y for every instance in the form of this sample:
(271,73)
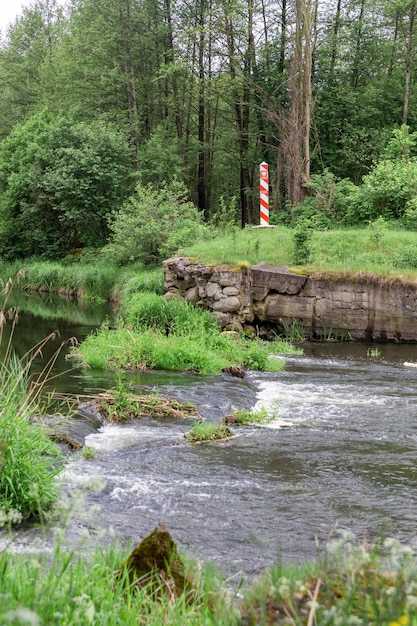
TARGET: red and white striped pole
(264,192)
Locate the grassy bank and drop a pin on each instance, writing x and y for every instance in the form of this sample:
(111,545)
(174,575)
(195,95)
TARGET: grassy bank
(91,280)
(350,584)
(378,249)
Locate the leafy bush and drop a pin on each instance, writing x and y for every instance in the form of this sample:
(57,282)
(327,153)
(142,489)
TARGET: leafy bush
(59,181)
(307,212)
(390,189)
(330,196)
(385,192)
(302,243)
(154,224)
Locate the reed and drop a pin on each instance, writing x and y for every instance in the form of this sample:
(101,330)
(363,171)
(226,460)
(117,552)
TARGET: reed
(29,461)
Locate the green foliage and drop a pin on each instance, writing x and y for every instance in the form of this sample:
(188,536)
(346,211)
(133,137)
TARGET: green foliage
(401,146)
(29,461)
(390,189)
(307,213)
(93,280)
(154,224)
(204,432)
(350,584)
(377,230)
(330,198)
(159,158)
(69,588)
(173,335)
(59,182)
(246,418)
(302,236)
(152,311)
(405,258)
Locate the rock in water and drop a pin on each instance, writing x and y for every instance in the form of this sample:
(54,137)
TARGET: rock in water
(156,562)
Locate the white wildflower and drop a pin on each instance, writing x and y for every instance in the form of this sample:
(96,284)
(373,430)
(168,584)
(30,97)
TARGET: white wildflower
(23,616)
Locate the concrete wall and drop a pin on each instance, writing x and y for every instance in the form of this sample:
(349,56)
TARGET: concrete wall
(270,296)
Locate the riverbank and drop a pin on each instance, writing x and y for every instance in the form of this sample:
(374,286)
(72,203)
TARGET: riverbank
(349,584)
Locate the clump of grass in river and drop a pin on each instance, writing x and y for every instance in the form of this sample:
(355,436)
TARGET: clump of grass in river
(120,404)
(132,349)
(203,432)
(246,418)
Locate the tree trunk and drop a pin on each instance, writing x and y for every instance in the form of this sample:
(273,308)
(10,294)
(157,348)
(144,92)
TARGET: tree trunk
(336,28)
(408,59)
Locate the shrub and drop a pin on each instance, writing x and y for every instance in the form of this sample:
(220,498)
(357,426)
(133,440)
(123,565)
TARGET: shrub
(302,243)
(59,182)
(154,224)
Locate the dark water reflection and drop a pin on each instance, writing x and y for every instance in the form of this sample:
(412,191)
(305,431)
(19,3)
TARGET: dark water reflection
(347,455)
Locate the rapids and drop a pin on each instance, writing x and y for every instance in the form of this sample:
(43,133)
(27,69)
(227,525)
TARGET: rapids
(342,450)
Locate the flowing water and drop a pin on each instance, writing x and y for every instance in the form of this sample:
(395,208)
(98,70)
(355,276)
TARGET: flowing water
(341,451)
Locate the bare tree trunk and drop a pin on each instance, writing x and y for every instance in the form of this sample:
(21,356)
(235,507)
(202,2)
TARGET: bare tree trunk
(169,57)
(336,28)
(201,177)
(242,112)
(129,69)
(394,44)
(283,37)
(295,122)
(356,60)
(408,59)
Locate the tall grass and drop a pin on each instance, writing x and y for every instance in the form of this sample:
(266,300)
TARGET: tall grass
(174,335)
(77,589)
(29,461)
(350,584)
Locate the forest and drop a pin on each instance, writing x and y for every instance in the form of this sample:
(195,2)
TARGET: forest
(110,109)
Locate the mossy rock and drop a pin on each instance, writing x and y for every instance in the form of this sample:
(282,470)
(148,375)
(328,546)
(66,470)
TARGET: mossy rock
(156,564)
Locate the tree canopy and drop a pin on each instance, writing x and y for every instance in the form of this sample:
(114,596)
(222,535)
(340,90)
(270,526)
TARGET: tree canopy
(202,91)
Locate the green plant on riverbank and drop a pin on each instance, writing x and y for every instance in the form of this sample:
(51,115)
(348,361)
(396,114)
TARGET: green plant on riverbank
(174,335)
(350,584)
(76,589)
(29,460)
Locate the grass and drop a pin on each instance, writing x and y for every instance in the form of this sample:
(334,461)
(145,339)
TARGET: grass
(246,418)
(119,405)
(202,432)
(339,250)
(349,584)
(29,460)
(76,589)
(154,333)
(90,279)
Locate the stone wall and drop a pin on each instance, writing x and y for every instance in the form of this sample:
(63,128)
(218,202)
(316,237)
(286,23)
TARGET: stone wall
(271,296)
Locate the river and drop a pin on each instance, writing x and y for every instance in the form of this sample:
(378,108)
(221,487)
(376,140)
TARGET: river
(342,452)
